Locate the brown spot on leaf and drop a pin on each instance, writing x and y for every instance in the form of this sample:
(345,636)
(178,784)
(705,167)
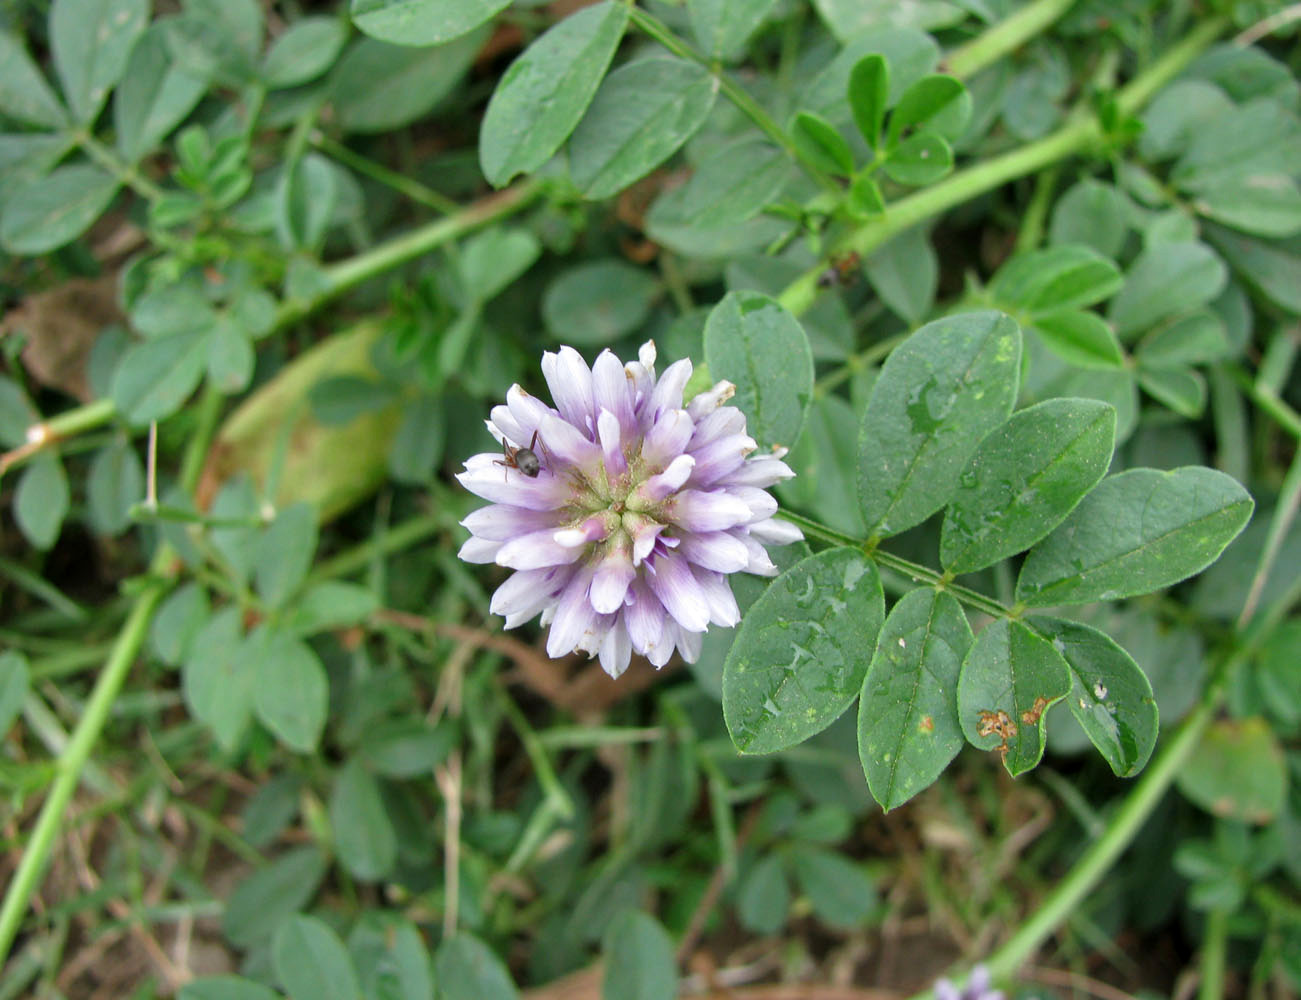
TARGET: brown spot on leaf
(998,724)
(1033,714)
(927,725)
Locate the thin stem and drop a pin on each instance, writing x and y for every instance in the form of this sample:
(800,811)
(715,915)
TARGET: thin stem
(1264,398)
(1036,211)
(1285,512)
(1215,950)
(1072,138)
(1005,37)
(394,539)
(746,104)
(74,760)
(915,571)
(400,183)
(111,162)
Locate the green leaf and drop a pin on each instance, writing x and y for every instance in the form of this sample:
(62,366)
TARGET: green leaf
(1009,680)
(469,970)
(1194,339)
(598,302)
(1092,214)
(938,394)
(24,94)
(285,554)
(41,500)
(823,463)
(16,413)
(331,604)
(1258,137)
(820,144)
(157,376)
(422,22)
(491,261)
(928,98)
(116,481)
(1054,279)
(230,359)
(292,693)
(364,837)
(155,95)
(262,901)
(379,87)
(311,962)
(923,158)
(1024,479)
(405,748)
(225,988)
(763,896)
(1110,697)
(838,889)
(1136,532)
(542,96)
(180,617)
(910,54)
(865,199)
(905,273)
(753,342)
(1238,771)
(869,89)
(14,679)
(1276,675)
(90,41)
(390,957)
(218,37)
(305,200)
(907,713)
(734,184)
(1180,388)
(638,959)
(45,214)
(723,26)
(418,444)
(307,49)
(1273,270)
(218,678)
(797,660)
(1084,339)
(850,19)
(1261,204)
(641,115)
(1166,279)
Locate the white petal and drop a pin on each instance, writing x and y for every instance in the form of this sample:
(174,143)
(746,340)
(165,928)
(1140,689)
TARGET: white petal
(479,550)
(527,592)
(761,471)
(510,486)
(502,522)
(528,412)
(570,382)
(776,531)
(644,618)
(699,510)
(574,620)
(705,403)
(616,650)
(723,609)
(760,564)
(671,580)
(657,487)
(716,550)
(761,503)
(667,438)
(610,432)
(667,394)
(610,582)
(536,550)
(565,444)
(612,389)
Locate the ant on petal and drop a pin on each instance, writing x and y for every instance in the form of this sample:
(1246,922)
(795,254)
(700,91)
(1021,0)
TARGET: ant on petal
(524,459)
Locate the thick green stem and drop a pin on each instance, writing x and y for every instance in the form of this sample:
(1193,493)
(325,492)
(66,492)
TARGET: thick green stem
(1004,37)
(1215,951)
(1073,138)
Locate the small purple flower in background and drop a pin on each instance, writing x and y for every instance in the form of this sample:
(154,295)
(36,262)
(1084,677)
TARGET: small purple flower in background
(638,509)
(977,988)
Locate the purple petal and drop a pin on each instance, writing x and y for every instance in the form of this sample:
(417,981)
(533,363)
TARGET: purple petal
(527,592)
(666,439)
(672,581)
(705,403)
(610,583)
(528,412)
(644,618)
(723,609)
(644,532)
(698,510)
(570,382)
(575,620)
(715,550)
(501,522)
(610,432)
(761,471)
(592,529)
(775,531)
(504,424)
(612,390)
(566,444)
(479,550)
(657,487)
(720,459)
(509,486)
(722,422)
(536,550)
(667,394)
(616,650)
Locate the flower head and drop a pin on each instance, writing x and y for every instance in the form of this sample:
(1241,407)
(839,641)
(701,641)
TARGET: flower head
(623,532)
(978,987)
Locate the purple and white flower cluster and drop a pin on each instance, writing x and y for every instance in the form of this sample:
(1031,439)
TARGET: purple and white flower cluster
(636,510)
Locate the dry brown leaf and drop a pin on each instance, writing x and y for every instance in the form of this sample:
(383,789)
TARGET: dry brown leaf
(61,325)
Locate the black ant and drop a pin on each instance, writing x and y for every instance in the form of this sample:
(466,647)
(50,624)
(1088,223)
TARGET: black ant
(524,459)
(842,271)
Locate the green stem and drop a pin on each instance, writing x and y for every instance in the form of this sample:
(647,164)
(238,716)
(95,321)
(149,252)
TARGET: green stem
(1005,37)
(746,104)
(1072,138)
(393,540)
(1215,949)
(1036,211)
(74,760)
(400,183)
(1267,401)
(915,571)
(124,172)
